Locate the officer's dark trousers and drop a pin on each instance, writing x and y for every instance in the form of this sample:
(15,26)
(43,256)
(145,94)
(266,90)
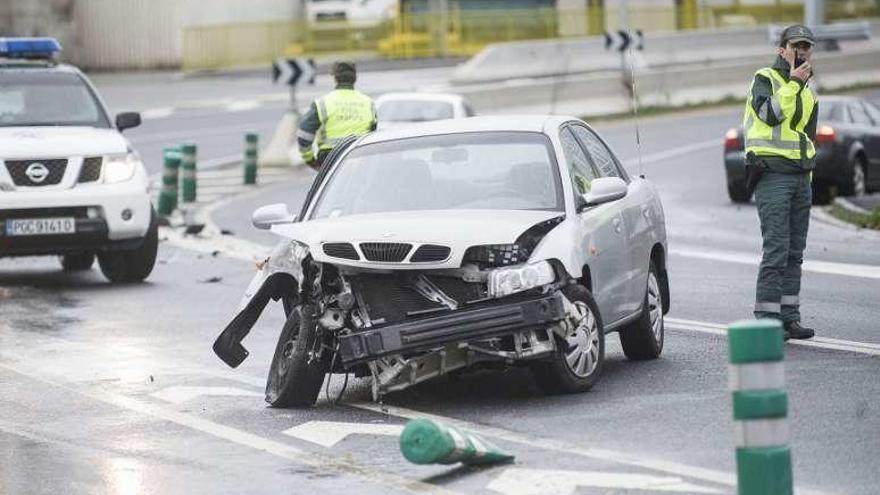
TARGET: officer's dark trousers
(784,210)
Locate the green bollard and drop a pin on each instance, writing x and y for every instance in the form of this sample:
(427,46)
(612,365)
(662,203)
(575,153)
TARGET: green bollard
(188,166)
(760,408)
(424,441)
(250,158)
(168,193)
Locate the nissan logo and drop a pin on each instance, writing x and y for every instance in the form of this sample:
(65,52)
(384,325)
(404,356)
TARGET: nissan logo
(37,172)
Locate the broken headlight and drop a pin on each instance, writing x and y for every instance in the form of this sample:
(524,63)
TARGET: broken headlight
(506,281)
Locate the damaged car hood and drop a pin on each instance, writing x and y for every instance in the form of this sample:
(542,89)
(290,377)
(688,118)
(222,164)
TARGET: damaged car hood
(455,229)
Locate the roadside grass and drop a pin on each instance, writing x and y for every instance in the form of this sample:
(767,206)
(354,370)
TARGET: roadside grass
(869,220)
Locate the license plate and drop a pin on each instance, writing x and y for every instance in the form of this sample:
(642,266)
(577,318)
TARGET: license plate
(41,226)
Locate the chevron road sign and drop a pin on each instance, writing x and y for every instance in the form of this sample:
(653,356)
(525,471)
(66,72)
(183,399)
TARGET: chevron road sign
(292,71)
(621,40)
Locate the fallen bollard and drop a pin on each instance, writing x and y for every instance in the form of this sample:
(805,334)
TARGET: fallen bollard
(760,408)
(250,158)
(424,441)
(188,167)
(168,193)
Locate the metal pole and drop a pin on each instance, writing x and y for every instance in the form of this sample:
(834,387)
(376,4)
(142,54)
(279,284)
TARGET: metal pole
(814,12)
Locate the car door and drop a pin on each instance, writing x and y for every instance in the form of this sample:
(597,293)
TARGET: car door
(872,143)
(600,233)
(636,217)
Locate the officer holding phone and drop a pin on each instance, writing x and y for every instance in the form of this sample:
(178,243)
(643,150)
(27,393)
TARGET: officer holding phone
(779,125)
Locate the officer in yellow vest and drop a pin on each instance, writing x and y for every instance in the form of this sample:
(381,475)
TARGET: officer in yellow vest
(338,114)
(779,127)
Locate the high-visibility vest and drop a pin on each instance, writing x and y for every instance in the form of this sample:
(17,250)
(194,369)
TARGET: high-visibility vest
(783,139)
(343,112)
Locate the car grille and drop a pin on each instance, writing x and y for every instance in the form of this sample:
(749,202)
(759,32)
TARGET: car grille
(342,250)
(391,298)
(388,252)
(430,252)
(75,212)
(91,169)
(18,171)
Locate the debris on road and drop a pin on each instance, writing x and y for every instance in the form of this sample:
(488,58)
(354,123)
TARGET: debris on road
(211,280)
(425,441)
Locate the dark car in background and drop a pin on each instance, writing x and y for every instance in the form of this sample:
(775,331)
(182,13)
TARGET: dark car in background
(847,151)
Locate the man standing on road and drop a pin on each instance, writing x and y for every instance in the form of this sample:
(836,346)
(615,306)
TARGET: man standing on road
(780,129)
(338,114)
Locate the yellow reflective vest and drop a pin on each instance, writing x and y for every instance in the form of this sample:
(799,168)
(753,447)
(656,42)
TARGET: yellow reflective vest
(343,113)
(787,139)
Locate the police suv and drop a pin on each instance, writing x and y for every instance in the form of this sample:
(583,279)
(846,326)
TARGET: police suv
(70,183)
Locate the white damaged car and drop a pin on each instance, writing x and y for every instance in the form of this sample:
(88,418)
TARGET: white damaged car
(490,241)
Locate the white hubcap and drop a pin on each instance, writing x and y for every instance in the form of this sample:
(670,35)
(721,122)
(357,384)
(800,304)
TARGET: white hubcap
(655,307)
(859,180)
(583,343)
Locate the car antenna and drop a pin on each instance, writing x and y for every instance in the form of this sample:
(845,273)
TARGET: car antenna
(628,56)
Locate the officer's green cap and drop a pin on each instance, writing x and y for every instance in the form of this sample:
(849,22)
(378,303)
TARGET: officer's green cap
(796,34)
(344,71)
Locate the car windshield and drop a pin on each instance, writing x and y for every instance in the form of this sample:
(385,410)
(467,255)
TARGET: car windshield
(48,99)
(414,110)
(485,170)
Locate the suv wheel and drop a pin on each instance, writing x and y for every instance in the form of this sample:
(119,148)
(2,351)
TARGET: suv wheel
(577,362)
(133,265)
(77,262)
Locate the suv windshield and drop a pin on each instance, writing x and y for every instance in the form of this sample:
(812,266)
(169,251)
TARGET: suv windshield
(486,170)
(48,99)
(414,110)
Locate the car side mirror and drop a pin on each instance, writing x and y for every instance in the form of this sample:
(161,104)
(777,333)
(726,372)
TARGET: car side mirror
(265,217)
(604,190)
(127,120)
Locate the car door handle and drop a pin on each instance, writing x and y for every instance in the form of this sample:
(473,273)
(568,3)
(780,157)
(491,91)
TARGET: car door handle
(617,228)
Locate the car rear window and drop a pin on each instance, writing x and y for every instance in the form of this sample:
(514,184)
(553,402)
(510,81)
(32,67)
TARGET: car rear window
(48,99)
(830,111)
(414,110)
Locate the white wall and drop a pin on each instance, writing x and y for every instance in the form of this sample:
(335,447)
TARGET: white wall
(216,12)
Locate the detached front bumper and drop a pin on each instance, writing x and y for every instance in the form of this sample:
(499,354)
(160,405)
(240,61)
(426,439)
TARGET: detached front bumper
(461,325)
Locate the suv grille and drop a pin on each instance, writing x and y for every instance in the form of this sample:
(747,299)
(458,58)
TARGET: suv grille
(91,169)
(43,172)
(388,252)
(342,250)
(430,252)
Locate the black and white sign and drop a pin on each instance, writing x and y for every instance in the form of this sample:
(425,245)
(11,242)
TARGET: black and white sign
(621,40)
(292,71)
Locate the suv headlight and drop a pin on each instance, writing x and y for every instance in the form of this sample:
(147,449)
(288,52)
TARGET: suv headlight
(507,281)
(120,167)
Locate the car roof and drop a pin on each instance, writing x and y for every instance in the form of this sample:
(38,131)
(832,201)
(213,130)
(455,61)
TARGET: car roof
(837,99)
(448,97)
(493,123)
(15,65)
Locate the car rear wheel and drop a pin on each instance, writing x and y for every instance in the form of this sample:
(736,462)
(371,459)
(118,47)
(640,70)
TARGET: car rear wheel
(644,338)
(132,265)
(577,362)
(856,186)
(77,262)
(295,377)
(738,192)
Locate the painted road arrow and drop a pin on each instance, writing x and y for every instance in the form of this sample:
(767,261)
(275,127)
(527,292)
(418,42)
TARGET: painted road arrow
(516,481)
(329,433)
(181,394)
(291,71)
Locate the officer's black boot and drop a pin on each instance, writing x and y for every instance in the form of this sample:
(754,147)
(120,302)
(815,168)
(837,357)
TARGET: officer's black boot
(794,330)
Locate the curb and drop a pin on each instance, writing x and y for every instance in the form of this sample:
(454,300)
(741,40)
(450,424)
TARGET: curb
(822,215)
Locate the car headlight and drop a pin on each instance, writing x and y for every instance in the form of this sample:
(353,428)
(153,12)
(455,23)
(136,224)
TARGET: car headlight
(120,167)
(510,280)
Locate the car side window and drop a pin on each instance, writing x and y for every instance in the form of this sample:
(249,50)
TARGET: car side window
(579,166)
(873,112)
(468,110)
(600,154)
(859,116)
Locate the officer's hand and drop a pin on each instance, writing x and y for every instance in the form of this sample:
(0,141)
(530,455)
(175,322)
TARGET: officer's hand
(803,72)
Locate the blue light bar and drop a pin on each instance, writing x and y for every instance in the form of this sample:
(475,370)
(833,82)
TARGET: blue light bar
(39,48)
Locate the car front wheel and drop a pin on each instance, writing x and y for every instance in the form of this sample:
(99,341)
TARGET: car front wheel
(577,362)
(296,376)
(132,265)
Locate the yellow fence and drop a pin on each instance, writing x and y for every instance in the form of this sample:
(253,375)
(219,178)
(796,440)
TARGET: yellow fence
(465,32)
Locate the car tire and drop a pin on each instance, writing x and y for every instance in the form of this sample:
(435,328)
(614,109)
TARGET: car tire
(856,185)
(821,192)
(77,262)
(132,265)
(294,381)
(738,192)
(643,339)
(576,364)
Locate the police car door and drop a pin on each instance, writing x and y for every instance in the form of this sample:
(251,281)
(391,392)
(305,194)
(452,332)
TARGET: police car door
(601,233)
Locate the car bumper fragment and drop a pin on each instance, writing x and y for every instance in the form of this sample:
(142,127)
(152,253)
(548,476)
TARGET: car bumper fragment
(456,326)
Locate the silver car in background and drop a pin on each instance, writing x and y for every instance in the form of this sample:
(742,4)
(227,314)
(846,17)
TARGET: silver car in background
(396,109)
(483,242)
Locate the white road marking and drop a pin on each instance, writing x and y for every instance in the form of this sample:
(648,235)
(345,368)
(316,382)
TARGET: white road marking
(825,267)
(674,152)
(180,394)
(518,481)
(868,348)
(329,433)
(157,113)
(319,461)
(242,105)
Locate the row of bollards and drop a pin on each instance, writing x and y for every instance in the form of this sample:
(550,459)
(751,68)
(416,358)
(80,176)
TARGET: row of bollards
(183,185)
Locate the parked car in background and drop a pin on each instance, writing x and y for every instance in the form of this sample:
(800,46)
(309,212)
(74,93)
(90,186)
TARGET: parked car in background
(430,248)
(395,109)
(847,151)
